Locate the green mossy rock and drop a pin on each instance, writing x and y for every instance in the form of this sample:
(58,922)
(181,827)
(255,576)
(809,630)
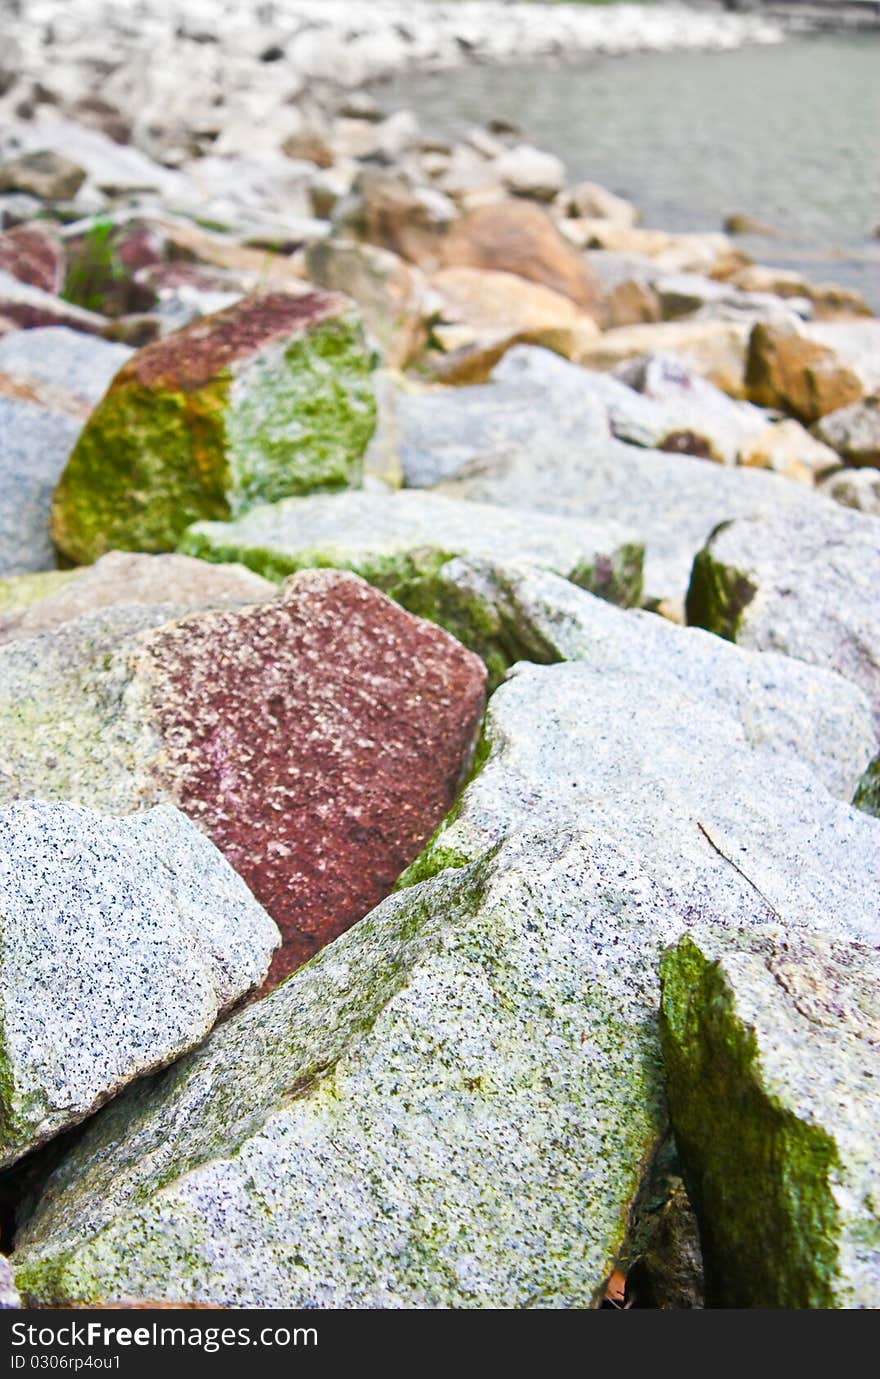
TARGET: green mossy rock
(270,397)
(771,1049)
(450,1107)
(413,546)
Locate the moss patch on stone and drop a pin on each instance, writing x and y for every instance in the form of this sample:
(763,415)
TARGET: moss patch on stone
(867,796)
(718,595)
(157,455)
(759,1175)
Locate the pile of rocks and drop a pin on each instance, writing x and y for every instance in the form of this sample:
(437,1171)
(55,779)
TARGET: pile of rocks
(400,998)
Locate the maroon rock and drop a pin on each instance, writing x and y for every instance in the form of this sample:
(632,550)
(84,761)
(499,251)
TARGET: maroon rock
(318,740)
(27,307)
(33,254)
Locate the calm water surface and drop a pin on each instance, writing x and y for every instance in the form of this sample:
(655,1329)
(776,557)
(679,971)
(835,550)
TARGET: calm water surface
(789,134)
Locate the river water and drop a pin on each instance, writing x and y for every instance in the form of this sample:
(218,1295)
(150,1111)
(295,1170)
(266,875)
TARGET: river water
(789,134)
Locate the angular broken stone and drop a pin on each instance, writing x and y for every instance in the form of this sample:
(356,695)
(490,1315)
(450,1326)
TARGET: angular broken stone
(678,777)
(538,437)
(771,1052)
(464,1090)
(270,397)
(36,444)
(317,739)
(803,584)
(31,604)
(516,236)
(44,173)
(854,432)
(791,710)
(402,543)
(62,366)
(390,293)
(855,488)
(450,1107)
(787,370)
(47,382)
(27,307)
(123,941)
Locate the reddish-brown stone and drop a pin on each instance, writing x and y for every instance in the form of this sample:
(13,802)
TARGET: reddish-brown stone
(192,357)
(318,740)
(33,254)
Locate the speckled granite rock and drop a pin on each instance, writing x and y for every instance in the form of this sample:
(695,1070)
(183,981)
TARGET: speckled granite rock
(317,739)
(784,707)
(403,542)
(36,442)
(270,397)
(30,604)
(49,378)
(9,1296)
(58,363)
(672,779)
(669,407)
(457,1102)
(538,437)
(771,1050)
(854,432)
(123,940)
(465,1088)
(806,586)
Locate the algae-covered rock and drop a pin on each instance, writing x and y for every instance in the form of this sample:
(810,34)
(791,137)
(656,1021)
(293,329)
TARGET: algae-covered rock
(449,1107)
(122,942)
(270,397)
(804,584)
(317,738)
(784,707)
(771,1053)
(453,1105)
(403,542)
(867,796)
(30,604)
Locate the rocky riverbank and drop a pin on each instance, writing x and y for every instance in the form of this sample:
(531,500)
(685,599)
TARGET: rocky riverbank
(440,697)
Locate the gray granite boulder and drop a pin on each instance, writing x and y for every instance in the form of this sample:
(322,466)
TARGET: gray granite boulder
(805,585)
(31,604)
(449,1107)
(80,367)
(674,779)
(538,437)
(771,1051)
(464,1090)
(49,380)
(786,708)
(317,737)
(855,488)
(123,941)
(403,542)
(854,432)
(35,443)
